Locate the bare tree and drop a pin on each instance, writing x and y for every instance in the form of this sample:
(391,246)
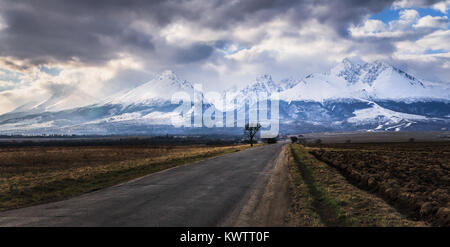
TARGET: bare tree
(250,131)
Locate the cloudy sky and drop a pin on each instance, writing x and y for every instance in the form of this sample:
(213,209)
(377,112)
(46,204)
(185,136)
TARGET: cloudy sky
(86,50)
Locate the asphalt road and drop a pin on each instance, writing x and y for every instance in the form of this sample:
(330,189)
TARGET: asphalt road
(204,193)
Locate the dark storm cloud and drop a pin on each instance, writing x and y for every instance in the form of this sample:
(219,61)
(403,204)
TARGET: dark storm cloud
(194,53)
(43,34)
(96,31)
(41,37)
(341,13)
(373,46)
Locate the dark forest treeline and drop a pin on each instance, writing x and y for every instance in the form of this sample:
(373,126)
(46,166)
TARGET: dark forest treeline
(70,141)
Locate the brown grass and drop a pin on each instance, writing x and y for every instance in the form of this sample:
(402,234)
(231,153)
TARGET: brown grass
(33,175)
(413,177)
(329,200)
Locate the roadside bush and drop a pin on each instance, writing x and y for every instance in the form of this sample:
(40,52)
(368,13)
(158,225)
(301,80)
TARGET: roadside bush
(270,140)
(294,139)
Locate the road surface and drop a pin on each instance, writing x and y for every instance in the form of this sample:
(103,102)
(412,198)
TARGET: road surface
(221,191)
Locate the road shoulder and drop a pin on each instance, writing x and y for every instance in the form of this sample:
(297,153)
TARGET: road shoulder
(269,203)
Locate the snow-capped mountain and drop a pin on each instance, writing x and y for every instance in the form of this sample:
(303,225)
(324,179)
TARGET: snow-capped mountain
(353,95)
(263,87)
(64,99)
(158,90)
(374,81)
(373,96)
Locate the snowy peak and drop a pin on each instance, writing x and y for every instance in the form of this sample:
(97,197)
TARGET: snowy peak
(172,78)
(288,83)
(371,71)
(353,72)
(159,89)
(57,102)
(353,95)
(359,79)
(356,70)
(412,79)
(263,84)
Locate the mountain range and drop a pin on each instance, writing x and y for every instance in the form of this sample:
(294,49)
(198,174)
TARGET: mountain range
(353,95)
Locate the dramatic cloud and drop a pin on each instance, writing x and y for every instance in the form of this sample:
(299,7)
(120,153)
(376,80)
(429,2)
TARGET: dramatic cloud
(440,22)
(96,48)
(95,31)
(435,4)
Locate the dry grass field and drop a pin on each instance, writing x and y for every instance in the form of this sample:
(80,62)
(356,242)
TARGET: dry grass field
(33,175)
(413,177)
(323,197)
